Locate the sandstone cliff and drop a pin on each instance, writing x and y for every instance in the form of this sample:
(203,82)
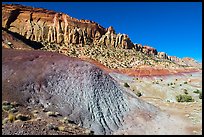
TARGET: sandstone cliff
(41,28)
(42,25)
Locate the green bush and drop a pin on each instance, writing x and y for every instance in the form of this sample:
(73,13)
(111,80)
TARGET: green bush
(139,94)
(196,91)
(136,78)
(11,117)
(200,95)
(126,85)
(186,92)
(185,82)
(184,98)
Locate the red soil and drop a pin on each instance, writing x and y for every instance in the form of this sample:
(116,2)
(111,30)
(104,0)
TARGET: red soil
(146,71)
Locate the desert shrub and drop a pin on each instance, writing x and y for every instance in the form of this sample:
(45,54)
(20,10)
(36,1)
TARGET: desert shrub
(126,85)
(4,121)
(185,92)
(61,128)
(184,98)
(13,110)
(6,108)
(200,95)
(196,91)
(11,117)
(52,127)
(23,117)
(4,103)
(51,113)
(136,78)
(185,82)
(91,132)
(139,94)
(65,120)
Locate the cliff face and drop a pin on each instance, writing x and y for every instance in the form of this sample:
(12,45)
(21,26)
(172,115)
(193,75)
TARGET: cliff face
(39,24)
(44,25)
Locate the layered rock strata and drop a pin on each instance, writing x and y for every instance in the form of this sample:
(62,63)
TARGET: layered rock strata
(47,26)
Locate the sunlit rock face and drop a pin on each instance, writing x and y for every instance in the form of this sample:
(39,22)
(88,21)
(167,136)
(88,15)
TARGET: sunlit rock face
(43,25)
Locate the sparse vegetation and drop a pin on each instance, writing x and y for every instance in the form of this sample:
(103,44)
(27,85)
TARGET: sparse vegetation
(61,128)
(139,94)
(11,117)
(65,120)
(51,113)
(184,98)
(52,127)
(126,85)
(200,95)
(91,132)
(5,120)
(185,91)
(196,91)
(185,82)
(137,78)
(23,117)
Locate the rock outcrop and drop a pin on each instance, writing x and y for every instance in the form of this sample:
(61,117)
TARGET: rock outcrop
(149,50)
(111,39)
(43,25)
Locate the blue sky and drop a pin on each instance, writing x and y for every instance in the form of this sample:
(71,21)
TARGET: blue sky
(172,27)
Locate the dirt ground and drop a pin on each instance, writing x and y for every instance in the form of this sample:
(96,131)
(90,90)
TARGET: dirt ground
(187,116)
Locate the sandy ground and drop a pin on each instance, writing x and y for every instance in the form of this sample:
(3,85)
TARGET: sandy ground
(178,117)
